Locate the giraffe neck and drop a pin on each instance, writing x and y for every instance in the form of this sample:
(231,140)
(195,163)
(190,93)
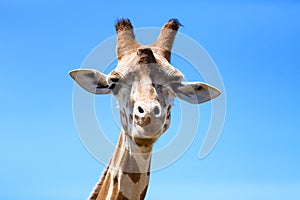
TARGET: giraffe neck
(127,175)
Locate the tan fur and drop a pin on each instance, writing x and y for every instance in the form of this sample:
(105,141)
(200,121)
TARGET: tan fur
(128,173)
(141,82)
(125,170)
(145,85)
(166,38)
(95,193)
(125,40)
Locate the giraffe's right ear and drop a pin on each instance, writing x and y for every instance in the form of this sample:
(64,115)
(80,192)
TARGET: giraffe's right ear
(91,80)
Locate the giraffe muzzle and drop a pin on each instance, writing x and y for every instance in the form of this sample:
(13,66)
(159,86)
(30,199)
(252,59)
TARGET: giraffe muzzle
(147,118)
(142,121)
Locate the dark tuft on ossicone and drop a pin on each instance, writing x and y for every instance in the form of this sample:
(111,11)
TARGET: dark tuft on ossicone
(123,25)
(173,24)
(176,21)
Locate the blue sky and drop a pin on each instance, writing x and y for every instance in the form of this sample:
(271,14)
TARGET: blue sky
(255,45)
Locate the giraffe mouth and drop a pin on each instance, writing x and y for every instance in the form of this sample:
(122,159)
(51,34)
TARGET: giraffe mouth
(145,132)
(143,122)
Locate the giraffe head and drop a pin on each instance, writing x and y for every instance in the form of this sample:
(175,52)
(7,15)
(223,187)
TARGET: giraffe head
(144,83)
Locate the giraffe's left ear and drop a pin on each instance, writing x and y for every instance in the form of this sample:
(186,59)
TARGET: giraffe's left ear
(91,80)
(195,92)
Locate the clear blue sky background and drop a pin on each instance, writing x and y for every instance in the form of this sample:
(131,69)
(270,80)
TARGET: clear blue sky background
(255,45)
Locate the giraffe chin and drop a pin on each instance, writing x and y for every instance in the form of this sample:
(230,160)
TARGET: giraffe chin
(146,133)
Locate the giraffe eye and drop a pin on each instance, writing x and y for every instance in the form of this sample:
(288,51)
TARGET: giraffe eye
(114,79)
(112,86)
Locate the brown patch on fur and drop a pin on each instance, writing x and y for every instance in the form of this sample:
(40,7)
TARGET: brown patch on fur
(146,142)
(123,25)
(115,180)
(168,116)
(167,55)
(143,194)
(135,177)
(146,56)
(121,197)
(132,170)
(166,126)
(130,165)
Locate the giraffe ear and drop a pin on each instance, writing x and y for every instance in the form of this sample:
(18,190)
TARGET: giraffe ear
(195,92)
(91,80)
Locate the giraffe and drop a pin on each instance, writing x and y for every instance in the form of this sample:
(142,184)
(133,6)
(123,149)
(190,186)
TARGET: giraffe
(145,85)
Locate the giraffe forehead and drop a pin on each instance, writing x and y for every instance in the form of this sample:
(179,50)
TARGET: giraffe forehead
(142,74)
(143,63)
(144,88)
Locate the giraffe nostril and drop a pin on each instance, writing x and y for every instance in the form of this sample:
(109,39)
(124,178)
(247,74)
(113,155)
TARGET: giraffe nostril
(141,110)
(156,110)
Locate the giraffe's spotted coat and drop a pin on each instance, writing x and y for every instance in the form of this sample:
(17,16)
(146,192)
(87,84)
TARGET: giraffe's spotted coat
(128,174)
(145,85)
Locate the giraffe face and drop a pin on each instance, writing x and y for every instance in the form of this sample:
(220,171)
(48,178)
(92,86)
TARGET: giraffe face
(143,89)
(145,85)
(144,82)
